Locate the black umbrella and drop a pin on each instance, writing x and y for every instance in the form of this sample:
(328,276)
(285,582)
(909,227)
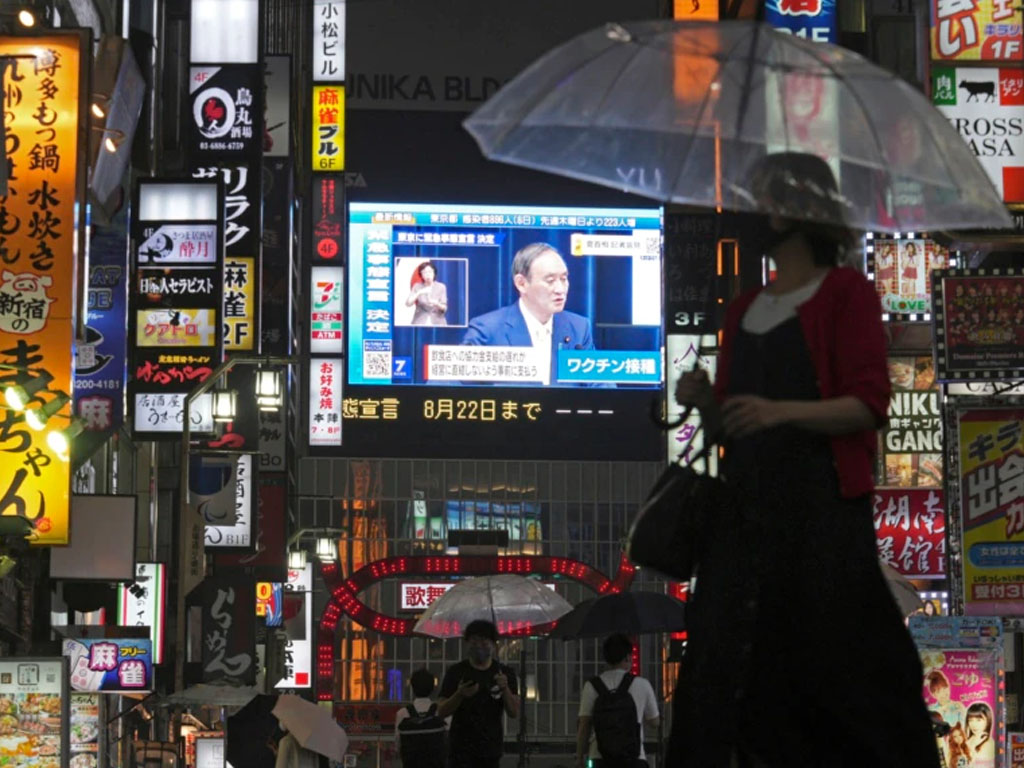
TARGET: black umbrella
(632,613)
(248,732)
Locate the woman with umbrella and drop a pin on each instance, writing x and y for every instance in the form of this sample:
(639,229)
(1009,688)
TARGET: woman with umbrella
(797,654)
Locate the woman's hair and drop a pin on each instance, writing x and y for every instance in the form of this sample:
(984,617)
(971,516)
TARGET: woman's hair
(424,265)
(957,746)
(801,187)
(935,680)
(982,710)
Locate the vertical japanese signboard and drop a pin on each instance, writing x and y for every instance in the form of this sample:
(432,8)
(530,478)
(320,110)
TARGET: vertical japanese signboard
(328,127)
(231,526)
(42,126)
(33,693)
(980,30)
(325,401)
(229,631)
(986,106)
(175,298)
(142,604)
(225,129)
(990,450)
(298,651)
(911,441)
(329,41)
(325,312)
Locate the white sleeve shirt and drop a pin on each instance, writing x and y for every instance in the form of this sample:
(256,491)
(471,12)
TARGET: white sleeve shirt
(641,691)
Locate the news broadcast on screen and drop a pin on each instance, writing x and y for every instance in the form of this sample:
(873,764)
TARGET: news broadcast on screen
(513,296)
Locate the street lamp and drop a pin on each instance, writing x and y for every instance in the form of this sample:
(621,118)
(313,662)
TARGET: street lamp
(268,390)
(36,418)
(18,395)
(325,550)
(224,405)
(296,559)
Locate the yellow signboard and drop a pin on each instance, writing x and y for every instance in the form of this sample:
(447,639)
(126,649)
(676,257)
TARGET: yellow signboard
(41,119)
(991,452)
(175,327)
(328,127)
(239,303)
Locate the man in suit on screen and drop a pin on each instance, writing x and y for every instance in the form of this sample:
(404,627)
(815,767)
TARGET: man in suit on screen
(538,319)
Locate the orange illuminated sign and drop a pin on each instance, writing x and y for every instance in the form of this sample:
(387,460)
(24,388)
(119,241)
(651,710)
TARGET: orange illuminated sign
(41,81)
(695,10)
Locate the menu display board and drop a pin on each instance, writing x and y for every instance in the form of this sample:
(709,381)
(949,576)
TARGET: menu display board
(33,713)
(84,742)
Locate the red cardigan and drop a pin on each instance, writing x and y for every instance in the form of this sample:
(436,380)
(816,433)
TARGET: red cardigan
(842,324)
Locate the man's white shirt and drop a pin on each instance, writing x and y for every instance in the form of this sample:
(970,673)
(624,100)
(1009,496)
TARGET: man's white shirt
(540,334)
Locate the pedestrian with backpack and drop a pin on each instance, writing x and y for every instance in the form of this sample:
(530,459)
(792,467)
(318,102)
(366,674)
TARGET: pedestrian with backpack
(421,733)
(614,706)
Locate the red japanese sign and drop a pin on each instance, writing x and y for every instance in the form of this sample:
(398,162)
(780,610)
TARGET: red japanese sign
(417,597)
(910,528)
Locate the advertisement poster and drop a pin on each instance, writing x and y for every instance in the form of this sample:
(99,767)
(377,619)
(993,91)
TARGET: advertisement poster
(910,528)
(991,484)
(110,665)
(902,270)
(691,296)
(33,718)
(981,30)
(979,324)
(961,686)
(682,352)
(910,452)
(84,741)
(1015,749)
(984,105)
(38,242)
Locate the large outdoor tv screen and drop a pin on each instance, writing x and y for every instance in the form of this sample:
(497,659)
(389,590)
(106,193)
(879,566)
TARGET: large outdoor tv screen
(511,296)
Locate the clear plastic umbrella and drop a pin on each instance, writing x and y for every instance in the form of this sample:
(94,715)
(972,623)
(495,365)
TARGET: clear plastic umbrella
(684,111)
(515,604)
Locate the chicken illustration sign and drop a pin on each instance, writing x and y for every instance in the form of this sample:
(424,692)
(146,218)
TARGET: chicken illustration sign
(222,109)
(38,236)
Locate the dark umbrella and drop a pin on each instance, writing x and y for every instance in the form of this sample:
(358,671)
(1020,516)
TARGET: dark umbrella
(632,613)
(248,731)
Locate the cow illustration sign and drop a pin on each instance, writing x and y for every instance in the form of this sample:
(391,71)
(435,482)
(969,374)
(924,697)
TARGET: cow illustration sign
(985,107)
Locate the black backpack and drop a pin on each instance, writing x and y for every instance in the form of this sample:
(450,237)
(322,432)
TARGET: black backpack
(423,739)
(615,723)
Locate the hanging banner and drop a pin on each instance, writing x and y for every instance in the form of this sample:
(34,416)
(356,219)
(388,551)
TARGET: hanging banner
(986,106)
(910,452)
(329,40)
(34,712)
(100,362)
(910,528)
(328,127)
(902,274)
(229,631)
(39,238)
(991,510)
(810,19)
(110,665)
(143,604)
(981,30)
(979,324)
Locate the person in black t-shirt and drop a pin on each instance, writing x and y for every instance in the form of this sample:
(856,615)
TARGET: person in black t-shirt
(475,692)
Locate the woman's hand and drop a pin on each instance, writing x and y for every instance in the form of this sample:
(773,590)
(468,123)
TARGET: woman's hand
(694,389)
(743,415)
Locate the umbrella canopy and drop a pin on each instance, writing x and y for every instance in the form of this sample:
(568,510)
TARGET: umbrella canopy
(634,613)
(903,592)
(312,726)
(685,111)
(513,603)
(248,731)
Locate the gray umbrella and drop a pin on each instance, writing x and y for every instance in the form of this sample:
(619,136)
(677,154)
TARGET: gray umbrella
(683,111)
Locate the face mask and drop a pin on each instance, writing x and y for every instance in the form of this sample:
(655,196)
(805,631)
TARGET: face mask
(480,654)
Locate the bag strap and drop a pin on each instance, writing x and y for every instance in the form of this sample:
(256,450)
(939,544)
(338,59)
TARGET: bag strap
(412,711)
(627,680)
(432,709)
(599,685)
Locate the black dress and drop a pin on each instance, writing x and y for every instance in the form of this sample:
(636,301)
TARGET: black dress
(797,654)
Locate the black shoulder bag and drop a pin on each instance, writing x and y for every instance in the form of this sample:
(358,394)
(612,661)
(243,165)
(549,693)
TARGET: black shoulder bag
(670,530)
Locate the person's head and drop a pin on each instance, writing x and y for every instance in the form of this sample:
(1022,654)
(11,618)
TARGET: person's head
(938,685)
(540,275)
(979,719)
(422,683)
(798,193)
(929,608)
(481,638)
(618,649)
(427,272)
(911,251)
